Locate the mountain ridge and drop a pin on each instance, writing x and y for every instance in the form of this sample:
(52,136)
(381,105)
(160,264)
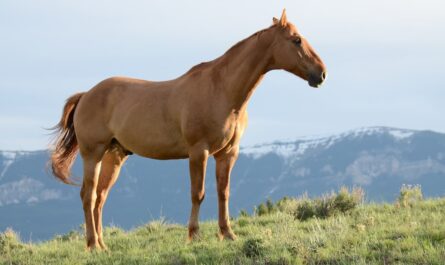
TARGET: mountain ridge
(379,159)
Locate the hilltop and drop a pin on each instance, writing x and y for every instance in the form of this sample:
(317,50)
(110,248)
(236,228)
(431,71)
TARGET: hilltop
(407,232)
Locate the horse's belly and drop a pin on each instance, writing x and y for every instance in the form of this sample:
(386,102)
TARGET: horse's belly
(150,131)
(162,152)
(156,144)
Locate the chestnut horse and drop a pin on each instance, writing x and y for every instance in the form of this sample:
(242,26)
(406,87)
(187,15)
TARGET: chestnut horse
(199,114)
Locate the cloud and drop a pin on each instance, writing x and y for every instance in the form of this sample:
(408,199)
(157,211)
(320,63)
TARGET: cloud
(26,190)
(383,57)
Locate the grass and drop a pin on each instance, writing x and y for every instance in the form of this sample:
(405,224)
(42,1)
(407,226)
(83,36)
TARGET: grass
(358,234)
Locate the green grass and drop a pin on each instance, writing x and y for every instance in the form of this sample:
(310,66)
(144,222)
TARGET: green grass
(364,234)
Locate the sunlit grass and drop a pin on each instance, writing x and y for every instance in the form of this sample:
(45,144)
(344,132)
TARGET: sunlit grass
(365,234)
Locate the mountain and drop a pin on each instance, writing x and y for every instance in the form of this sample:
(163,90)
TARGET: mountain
(379,159)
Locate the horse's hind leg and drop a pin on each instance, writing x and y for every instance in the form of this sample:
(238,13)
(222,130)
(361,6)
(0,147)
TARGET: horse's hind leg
(91,166)
(111,165)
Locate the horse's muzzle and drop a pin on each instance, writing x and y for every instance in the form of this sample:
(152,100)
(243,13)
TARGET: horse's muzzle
(317,80)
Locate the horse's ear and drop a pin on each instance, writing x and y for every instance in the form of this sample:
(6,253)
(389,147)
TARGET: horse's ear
(275,21)
(283,19)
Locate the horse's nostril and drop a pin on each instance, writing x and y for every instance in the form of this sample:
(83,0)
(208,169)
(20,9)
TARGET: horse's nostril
(323,76)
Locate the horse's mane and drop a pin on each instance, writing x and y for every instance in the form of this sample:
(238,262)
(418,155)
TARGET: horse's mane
(230,51)
(199,67)
(235,47)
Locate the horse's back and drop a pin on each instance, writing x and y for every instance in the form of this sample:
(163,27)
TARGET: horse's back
(137,113)
(98,104)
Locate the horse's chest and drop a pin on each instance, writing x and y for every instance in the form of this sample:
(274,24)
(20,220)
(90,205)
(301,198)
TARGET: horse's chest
(222,137)
(212,130)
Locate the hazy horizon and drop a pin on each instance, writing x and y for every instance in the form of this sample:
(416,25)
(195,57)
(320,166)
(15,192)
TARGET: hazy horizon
(384,60)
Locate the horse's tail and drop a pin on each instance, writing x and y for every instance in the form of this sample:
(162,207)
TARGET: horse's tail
(65,144)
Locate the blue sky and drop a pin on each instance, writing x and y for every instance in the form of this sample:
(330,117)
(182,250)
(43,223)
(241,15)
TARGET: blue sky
(384,58)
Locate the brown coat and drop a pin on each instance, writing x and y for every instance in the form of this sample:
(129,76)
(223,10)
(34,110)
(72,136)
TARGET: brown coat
(198,114)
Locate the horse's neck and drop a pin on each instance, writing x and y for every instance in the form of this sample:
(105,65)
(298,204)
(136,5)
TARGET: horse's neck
(243,70)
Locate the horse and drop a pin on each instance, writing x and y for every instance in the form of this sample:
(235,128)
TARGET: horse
(199,114)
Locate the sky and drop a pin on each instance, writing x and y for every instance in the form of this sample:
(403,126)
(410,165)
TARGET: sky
(384,60)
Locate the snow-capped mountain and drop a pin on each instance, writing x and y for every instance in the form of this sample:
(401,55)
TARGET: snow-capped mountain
(298,147)
(379,159)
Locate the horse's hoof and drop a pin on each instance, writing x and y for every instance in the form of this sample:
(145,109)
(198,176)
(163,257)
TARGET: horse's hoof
(103,246)
(227,234)
(93,248)
(193,234)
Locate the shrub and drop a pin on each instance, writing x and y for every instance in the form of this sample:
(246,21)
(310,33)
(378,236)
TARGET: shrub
(266,208)
(8,241)
(409,195)
(287,205)
(345,200)
(271,208)
(261,210)
(304,208)
(329,205)
(253,247)
(243,213)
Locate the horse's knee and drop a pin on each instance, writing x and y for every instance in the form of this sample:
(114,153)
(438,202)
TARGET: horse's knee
(88,203)
(100,200)
(88,200)
(198,197)
(101,196)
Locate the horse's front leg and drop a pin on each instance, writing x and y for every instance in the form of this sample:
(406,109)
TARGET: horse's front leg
(224,164)
(197,163)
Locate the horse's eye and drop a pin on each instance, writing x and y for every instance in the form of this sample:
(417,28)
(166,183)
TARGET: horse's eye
(297,41)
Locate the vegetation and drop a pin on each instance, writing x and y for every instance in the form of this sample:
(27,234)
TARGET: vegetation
(334,229)
(409,196)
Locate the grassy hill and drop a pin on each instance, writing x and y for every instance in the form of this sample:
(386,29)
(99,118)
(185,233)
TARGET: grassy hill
(335,229)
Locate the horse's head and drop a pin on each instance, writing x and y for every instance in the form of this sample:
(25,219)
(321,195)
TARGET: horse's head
(293,53)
